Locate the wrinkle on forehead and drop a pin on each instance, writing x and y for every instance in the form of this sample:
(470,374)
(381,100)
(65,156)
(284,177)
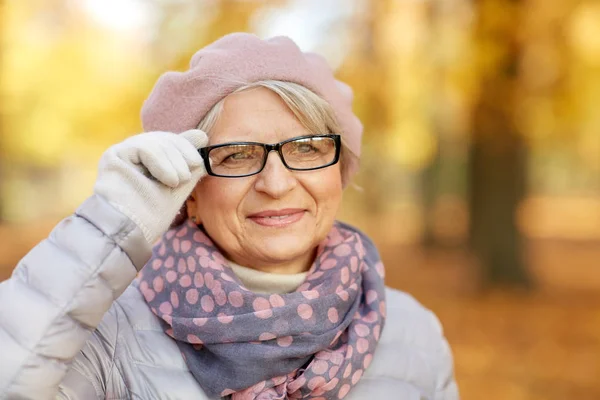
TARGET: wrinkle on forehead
(256,115)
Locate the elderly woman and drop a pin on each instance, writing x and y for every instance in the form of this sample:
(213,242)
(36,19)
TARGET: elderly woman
(252,290)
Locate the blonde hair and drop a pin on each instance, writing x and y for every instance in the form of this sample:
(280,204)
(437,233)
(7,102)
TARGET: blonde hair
(313,112)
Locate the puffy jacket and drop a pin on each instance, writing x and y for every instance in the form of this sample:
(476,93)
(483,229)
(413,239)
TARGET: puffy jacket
(72,326)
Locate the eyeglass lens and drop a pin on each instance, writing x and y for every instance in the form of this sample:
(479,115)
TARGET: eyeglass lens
(244,159)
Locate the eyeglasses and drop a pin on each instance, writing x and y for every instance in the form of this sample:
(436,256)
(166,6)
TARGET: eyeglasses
(303,153)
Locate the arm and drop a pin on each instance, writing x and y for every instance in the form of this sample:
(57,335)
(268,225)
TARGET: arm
(61,290)
(59,293)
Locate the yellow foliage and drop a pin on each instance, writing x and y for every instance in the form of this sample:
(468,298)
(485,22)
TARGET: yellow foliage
(584,32)
(411,145)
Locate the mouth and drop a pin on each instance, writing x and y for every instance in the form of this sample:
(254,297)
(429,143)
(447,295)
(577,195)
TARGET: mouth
(278,218)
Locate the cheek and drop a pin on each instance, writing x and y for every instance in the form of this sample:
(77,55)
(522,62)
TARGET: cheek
(327,190)
(218,199)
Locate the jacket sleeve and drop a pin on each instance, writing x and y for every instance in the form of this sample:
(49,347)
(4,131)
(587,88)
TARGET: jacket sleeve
(446,387)
(59,293)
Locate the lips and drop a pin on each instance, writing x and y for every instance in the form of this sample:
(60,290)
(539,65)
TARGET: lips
(278,218)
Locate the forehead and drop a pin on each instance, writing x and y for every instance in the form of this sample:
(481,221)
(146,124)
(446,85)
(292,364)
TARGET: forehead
(256,115)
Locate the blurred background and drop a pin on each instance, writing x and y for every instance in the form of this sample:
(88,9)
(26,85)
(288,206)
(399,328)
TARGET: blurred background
(480,177)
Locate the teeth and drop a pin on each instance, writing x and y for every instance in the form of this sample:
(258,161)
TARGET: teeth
(278,216)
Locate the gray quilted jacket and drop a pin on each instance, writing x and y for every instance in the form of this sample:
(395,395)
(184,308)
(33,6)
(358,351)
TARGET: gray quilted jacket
(72,326)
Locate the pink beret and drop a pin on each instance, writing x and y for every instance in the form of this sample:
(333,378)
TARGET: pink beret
(180,100)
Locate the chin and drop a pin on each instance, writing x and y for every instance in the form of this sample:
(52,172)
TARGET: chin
(285,247)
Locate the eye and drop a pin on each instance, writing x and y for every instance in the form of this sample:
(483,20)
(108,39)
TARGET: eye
(240,155)
(235,154)
(305,147)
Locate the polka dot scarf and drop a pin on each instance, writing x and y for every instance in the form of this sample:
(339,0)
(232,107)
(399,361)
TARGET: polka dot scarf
(314,343)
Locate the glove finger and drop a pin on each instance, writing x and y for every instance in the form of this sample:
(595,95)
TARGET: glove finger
(156,161)
(190,153)
(177,160)
(196,137)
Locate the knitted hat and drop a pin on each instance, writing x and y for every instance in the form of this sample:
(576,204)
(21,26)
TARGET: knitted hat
(180,100)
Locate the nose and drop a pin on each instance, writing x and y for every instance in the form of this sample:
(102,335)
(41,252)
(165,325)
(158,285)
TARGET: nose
(275,179)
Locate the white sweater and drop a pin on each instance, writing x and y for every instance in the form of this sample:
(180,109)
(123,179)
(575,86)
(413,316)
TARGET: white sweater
(264,282)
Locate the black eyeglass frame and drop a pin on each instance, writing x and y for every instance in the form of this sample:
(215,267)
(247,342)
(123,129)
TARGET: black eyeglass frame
(205,151)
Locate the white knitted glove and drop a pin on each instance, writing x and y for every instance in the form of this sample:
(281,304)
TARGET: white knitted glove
(149,176)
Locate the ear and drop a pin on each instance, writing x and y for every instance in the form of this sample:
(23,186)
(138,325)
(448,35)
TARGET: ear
(191,208)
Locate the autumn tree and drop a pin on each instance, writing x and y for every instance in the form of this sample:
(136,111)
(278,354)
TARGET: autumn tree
(186,26)
(2,16)
(498,151)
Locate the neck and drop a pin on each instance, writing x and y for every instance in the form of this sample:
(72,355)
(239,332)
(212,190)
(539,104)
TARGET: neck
(287,267)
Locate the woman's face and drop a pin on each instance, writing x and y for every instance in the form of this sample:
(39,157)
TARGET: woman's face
(232,210)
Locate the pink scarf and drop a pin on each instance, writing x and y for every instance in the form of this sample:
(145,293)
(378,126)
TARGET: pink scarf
(313,343)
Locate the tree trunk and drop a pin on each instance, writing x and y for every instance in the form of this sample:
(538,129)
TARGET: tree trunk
(498,152)
(430,193)
(2,155)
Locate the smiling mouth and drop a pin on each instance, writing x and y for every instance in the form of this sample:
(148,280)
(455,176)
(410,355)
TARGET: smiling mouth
(277,218)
